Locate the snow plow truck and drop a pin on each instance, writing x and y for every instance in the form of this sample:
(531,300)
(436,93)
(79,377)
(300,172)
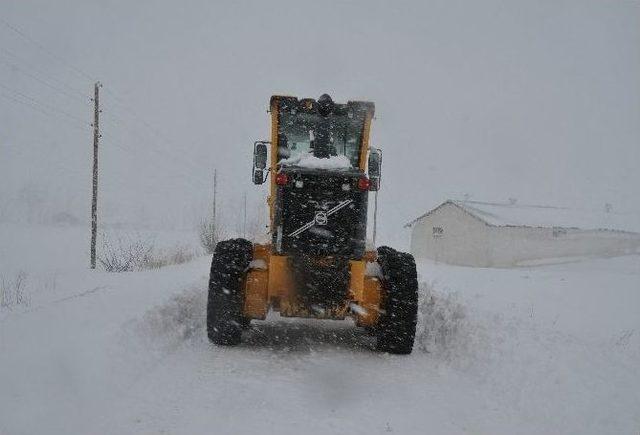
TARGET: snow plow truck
(320,169)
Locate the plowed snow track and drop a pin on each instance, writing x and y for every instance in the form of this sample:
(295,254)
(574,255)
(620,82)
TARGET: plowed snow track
(135,359)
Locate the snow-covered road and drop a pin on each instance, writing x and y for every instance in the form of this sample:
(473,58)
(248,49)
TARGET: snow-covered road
(537,350)
(134,359)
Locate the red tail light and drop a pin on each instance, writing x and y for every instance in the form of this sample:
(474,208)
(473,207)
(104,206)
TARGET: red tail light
(282,179)
(364,183)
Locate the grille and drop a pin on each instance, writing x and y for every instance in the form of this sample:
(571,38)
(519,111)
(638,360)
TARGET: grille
(319,217)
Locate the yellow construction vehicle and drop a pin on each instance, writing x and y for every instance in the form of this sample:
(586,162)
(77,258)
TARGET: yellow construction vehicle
(321,170)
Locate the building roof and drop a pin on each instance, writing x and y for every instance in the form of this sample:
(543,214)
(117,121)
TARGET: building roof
(513,214)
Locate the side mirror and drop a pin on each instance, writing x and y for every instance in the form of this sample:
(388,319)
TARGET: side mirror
(259,161)
(258,176)
(375,168)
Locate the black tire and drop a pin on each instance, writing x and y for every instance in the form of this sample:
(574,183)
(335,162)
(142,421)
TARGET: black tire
(245,322)
(224,305)
(396,329)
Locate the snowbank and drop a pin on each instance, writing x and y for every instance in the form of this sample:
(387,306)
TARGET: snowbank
(528,351)
(308,160)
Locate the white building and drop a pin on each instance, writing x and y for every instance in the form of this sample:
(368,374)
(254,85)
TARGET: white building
(483,234)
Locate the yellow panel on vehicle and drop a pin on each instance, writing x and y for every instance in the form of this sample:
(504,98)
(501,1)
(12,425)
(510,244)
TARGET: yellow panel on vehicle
(280,280)
(256,294)
(366,292)
(356,285)
(371,301)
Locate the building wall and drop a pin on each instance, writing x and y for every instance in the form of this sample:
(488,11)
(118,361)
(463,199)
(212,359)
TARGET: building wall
(462,241)
(511,246)
(460,238)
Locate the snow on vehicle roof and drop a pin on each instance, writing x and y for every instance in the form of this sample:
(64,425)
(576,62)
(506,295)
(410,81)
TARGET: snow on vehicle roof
(308,160)
(529,215)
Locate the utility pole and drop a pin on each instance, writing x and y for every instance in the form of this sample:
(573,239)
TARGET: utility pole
(94,196)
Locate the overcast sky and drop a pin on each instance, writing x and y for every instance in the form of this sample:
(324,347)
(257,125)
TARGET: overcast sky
(538,101)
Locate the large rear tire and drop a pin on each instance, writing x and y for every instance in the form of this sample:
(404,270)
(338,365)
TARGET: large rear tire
(397,327)
(226,297)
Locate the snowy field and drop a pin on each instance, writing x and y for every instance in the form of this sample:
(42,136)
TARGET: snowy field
(549,349)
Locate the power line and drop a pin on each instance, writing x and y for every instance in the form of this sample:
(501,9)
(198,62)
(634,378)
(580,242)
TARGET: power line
(70,91)
(39,80)
(45,105)
(44,112)
(35,104)
(75,170)
(158,135)
(41,47)
(155,136)
(117,99)
(160,151)
(26,103)
(112,140)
